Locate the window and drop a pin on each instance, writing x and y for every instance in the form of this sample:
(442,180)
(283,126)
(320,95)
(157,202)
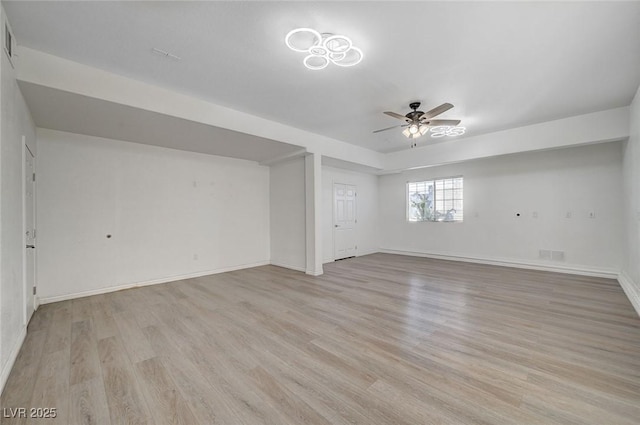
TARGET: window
(9,42)
(435,200)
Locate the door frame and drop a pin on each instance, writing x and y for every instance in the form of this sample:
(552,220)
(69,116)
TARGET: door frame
(28,290)
(333,216)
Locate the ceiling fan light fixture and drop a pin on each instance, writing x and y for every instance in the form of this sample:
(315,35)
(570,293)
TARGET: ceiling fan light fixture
(417,123)
(332,48)
(415,130)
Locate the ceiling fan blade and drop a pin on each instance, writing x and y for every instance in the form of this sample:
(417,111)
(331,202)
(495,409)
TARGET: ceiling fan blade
(388,128)
(398,116)
(451,123)
(436,111)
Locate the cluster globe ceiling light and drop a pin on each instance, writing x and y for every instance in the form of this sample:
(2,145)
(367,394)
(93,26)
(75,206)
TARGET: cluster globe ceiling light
(323,49)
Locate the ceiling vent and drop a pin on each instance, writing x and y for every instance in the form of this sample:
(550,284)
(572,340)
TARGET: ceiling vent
(166,54)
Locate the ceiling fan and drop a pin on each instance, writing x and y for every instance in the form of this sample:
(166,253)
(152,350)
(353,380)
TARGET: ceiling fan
(417,123)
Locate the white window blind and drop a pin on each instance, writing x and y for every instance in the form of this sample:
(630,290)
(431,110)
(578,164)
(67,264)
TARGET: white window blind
(435,200)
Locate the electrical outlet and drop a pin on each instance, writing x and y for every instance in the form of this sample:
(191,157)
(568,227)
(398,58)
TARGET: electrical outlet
(535,214)
(569,214)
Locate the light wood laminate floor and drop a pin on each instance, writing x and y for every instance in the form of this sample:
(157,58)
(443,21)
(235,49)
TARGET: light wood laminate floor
(381,339)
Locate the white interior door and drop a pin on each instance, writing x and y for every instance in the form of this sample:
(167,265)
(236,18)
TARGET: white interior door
(344,221)
(29,231)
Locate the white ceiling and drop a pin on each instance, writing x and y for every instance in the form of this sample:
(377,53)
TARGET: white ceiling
(502,64)
(60,110)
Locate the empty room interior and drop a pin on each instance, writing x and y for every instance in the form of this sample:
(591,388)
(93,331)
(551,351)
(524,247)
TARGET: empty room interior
(317,212)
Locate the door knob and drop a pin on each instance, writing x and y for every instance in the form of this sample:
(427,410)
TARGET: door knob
(335,225)
(31,246)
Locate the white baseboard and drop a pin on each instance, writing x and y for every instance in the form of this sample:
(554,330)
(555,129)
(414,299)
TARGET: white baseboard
(288,266)
(359,254)
(582,271)
(367,252)
(13,355)
(296,268)
(631,289)
(65,297)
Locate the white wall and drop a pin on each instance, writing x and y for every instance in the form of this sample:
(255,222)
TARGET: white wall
(366,210)
(630,276)
(15,121)
(287,206)
(551,183)
(171,214)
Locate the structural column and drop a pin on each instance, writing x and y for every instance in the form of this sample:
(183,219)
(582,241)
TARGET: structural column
(313,207)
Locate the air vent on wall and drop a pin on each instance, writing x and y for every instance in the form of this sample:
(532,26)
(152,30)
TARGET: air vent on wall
(546,254)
